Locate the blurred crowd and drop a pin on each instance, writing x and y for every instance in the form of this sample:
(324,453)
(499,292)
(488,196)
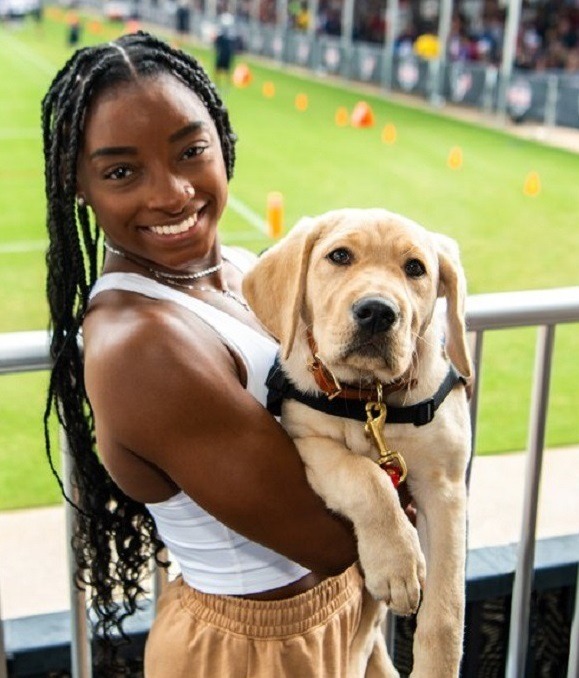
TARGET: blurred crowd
(548,36)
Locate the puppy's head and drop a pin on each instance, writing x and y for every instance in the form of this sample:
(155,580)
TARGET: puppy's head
(365,283)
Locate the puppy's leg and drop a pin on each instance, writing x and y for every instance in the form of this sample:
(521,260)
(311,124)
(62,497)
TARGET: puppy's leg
(368,655)
(380,665)
(439,633)
(388,545)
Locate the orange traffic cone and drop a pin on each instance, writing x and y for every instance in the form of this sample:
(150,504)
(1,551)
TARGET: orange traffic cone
(95,27)
(455,158)
(242,76)
(275,214)
(342,116)
(389,133)
(268,89)
(132,26)
(301,102)
(532,185)
(362,115)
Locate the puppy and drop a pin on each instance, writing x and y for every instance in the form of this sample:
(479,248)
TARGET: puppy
(372,384)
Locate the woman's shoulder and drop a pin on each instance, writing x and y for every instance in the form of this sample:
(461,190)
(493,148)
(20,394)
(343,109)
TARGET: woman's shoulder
(147,337)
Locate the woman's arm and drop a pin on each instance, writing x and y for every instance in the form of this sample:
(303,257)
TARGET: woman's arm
(167,394)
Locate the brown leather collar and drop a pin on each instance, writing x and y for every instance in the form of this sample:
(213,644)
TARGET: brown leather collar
(330,385)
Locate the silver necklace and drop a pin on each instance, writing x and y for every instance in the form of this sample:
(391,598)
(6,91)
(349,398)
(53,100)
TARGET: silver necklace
(226,292)
(162,275)
(176,279)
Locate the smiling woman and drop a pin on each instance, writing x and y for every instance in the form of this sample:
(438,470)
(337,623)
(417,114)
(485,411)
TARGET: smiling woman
(164,411)
(159,192)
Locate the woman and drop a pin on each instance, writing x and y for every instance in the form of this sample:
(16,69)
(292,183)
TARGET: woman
(138,143)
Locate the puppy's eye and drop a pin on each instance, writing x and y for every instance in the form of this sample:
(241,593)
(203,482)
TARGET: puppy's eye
(414,268)
(340,256)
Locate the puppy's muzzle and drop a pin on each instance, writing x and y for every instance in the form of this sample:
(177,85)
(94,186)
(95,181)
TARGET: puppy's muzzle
(375,315)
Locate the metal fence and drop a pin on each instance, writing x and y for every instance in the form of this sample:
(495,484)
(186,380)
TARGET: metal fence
(543,309)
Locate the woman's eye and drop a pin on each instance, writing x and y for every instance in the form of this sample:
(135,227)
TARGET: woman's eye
(414,268)
(194,151)
(340,256)
(118,173)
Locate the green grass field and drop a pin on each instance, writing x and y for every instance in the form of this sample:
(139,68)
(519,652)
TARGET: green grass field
(509,241)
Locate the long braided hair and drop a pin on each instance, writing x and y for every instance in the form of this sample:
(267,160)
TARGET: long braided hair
(115,537)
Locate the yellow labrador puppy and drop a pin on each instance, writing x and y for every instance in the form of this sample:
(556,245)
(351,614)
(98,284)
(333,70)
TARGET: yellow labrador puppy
(372,383)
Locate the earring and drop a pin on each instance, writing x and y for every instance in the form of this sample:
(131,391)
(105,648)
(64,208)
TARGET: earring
(80,201)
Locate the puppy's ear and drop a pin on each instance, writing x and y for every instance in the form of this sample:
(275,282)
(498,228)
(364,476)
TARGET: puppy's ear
(452,285)
(275,286)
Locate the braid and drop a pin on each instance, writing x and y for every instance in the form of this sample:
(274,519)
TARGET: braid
(115,536)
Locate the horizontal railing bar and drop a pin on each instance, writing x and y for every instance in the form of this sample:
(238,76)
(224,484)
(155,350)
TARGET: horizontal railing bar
(503,310)
(24,352)
(28,351)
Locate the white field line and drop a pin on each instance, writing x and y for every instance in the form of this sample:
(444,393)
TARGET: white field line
(247,213)
(23,247)
(16,47)
(16,134)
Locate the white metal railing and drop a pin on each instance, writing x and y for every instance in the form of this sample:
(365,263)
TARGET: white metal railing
(544,309)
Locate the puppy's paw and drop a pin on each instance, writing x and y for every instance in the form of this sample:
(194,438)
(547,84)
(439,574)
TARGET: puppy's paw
(395,570)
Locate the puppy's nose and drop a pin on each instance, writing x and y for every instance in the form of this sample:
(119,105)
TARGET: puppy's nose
(374,314)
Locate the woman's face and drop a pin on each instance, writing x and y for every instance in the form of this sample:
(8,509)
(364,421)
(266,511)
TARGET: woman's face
(152,170)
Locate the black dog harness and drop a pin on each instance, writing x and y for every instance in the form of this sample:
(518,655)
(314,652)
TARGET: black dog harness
(281,388)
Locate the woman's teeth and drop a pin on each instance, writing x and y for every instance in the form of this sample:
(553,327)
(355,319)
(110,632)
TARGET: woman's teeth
(176,228)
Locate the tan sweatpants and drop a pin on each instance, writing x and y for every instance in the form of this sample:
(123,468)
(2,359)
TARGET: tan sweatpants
(196,635)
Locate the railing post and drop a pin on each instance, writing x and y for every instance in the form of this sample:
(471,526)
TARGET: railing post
(390,633)
(550,119)
(474,398)
(573,665)
(392,16)
(521,600)
(80,649)
(160,580)
(3,658)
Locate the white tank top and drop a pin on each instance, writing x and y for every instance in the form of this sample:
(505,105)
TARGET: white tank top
(211,557)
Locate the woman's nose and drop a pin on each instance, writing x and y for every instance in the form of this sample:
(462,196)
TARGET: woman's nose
(170,194)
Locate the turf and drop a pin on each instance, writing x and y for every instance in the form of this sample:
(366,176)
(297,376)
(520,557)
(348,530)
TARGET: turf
(509,240)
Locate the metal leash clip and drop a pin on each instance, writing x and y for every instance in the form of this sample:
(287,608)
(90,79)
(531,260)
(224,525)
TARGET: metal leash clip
(390,461)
